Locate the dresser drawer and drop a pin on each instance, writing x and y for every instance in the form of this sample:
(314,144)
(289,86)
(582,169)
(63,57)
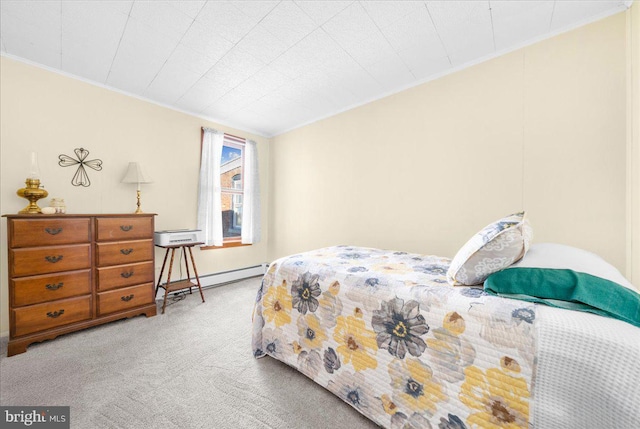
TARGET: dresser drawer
(54,259)
(37,289)
(124,228)
(124,298)
(124,275)
(44,232)
(123,252)
(39,317)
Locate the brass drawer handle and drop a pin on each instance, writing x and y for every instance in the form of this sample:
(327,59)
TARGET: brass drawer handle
(127,298)
(126,228)
(53,259)
(55,314)
(54,286)
(126,275)
(126,251)
(53,231)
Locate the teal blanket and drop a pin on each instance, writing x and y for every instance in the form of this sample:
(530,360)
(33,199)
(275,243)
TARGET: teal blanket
(568,289)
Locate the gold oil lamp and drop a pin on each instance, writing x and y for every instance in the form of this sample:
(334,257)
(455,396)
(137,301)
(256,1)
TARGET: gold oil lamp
(32,192)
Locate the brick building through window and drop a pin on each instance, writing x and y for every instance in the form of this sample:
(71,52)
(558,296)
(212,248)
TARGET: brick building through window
(231,184)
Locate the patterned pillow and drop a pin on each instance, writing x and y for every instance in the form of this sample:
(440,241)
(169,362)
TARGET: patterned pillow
(494,248)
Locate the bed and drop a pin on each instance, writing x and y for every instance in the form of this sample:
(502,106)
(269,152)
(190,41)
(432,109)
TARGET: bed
(402,339)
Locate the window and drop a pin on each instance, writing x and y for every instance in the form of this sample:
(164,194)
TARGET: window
(228,191)
(232,189)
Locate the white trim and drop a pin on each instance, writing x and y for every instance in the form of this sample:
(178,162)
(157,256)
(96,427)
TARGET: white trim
(225,277)
(221,278)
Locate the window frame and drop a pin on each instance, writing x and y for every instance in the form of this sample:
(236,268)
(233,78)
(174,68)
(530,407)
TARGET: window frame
(239,143)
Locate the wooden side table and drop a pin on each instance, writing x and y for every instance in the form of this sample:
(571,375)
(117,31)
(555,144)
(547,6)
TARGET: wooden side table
(180,284)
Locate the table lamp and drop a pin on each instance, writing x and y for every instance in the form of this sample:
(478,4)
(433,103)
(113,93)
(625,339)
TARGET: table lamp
(136,175)
(32,192)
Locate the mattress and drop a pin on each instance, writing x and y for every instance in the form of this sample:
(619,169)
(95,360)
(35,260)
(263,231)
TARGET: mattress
(386,333)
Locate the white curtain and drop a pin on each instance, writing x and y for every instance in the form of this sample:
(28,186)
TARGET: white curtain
(209,192)
(251,200)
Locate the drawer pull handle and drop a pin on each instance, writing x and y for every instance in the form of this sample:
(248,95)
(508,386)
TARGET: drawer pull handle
(54,286)
(53,231)
(53,259)
(126,275)
(55,314)
(127,298)
(126,228)
(126,251)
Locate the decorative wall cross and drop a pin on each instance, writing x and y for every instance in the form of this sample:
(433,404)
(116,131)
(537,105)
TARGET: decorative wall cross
(80,178)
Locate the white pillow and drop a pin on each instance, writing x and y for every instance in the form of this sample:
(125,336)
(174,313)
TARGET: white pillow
(492,249)
(560,256)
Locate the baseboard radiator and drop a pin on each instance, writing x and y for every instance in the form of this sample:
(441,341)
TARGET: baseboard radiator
(224,277)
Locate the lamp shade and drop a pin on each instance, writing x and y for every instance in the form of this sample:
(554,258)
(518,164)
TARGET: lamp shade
(135,174)
(34,170)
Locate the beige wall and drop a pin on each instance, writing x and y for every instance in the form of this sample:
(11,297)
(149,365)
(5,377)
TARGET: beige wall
(542,129)
(53,114)
(634,142)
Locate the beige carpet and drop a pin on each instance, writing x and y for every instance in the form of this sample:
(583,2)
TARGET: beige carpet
(189,368)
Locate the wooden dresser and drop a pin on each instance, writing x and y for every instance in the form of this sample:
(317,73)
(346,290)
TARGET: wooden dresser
(71,272)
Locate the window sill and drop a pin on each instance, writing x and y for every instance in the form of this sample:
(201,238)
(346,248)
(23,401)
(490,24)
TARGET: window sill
(225,245)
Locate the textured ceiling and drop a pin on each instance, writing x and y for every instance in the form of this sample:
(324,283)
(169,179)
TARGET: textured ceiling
(270,66)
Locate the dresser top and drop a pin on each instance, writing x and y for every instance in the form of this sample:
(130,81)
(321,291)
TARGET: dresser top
(73,215)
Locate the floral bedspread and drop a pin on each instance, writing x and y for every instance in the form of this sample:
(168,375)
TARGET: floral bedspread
(386,333)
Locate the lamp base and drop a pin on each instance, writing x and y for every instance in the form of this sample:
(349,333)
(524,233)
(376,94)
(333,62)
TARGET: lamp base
(33,193)
(138,210)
